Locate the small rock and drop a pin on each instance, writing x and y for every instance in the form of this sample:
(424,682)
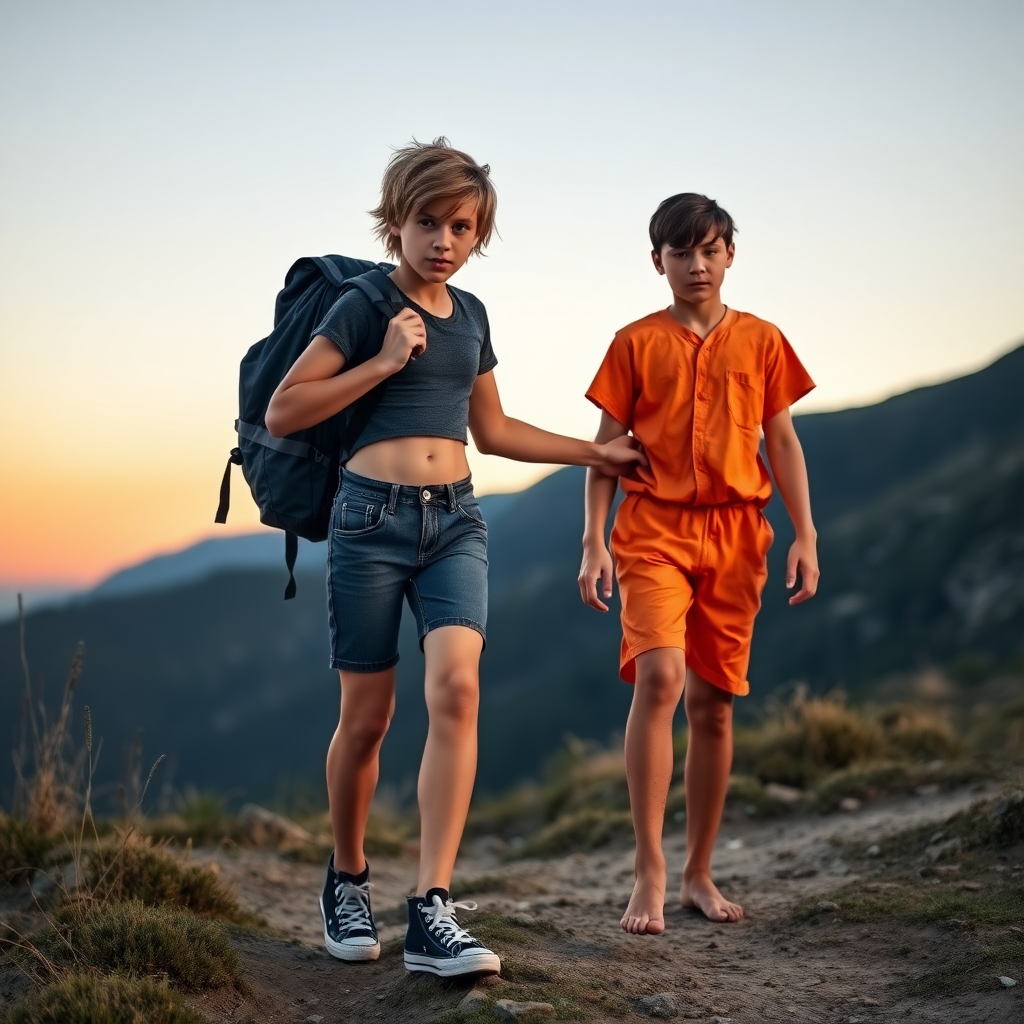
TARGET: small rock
(314,1018)
(1016,929)
(716,1019)
(942,851)
(854,1020)
(262,828)
(838,867)
(474,999)
(928,789)
(868,1001)
(970,886)
(786,854)
(509,1009)
(825,906)
(526,920)
(734,844)
(662,1005)
(955,924)
(787,795)
(874,850)
(849,804)
(805,872)
(1007,982)
(770,983)
(713,944)
(1006,803)
(490,844)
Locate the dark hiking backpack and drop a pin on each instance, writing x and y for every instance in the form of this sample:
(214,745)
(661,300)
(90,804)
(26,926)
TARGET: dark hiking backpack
(294,479)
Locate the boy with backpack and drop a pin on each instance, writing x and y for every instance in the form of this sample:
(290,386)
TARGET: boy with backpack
(696,383)
(405,524)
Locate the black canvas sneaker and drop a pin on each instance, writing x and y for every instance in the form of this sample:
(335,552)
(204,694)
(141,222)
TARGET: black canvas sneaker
(349,931)
(438,944)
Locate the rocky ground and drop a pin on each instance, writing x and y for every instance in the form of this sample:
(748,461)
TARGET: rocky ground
(555,924)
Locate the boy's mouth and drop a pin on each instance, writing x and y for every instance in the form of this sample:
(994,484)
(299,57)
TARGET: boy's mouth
(440,264)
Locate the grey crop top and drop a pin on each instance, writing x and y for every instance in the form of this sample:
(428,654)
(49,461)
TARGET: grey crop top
(429,396)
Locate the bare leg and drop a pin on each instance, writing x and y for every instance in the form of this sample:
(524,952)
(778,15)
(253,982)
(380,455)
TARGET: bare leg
(448,769)
(367,704)
(660,675)
(708,763)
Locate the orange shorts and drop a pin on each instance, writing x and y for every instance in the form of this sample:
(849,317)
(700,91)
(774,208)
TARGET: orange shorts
(691,577)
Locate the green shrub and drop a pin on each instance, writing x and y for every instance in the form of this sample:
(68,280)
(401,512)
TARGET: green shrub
(919,734)
(136,869)
(22,850)
(92,999)
(141,941)
(582,830)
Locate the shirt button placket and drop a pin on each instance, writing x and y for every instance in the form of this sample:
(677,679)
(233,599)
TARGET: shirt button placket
(700,416)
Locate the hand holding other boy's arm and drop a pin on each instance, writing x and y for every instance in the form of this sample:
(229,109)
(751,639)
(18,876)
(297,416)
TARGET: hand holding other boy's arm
(786,458)
(595,579)
(498,434)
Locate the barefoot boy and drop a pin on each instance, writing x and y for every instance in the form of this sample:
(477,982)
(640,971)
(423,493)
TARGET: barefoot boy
(696,383)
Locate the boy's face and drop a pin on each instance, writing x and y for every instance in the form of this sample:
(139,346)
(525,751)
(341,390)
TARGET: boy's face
(695,275)
(438,239)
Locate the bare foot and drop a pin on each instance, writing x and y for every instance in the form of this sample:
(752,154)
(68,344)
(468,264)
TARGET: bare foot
(700,893)
(645,914)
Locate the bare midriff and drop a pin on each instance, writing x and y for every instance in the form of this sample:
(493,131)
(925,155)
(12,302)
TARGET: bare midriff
(412,460)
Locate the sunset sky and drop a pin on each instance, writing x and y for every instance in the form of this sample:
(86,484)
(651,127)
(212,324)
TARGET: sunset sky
(163,164)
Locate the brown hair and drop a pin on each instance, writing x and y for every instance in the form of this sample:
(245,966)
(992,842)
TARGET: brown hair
(685,220)
(421,172)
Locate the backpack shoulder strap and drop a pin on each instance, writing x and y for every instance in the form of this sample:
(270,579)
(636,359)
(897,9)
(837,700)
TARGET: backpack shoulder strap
(380,290)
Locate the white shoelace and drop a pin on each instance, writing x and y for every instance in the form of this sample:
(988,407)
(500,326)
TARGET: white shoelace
(353,905)
(441,919)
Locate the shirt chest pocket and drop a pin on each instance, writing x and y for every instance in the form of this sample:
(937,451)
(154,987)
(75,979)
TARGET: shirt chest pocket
(745,394)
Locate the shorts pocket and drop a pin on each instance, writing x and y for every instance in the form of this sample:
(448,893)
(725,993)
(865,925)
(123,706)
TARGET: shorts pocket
(355,516)
(471,511)
(745,394)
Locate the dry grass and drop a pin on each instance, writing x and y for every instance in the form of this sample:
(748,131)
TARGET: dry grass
(47,769)
(92,999)
(22,850)
(136,869)
(140,941)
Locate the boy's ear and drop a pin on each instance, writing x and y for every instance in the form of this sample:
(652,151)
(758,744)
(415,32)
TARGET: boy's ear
(730,254)
(656,259)
(395,230)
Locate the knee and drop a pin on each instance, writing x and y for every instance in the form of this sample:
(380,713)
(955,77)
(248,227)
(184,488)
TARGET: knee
(364,733)
(660,685)
(709,710)
(455,696)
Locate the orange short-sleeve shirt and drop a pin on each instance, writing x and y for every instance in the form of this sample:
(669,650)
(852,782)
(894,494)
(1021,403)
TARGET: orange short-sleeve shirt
(697,406)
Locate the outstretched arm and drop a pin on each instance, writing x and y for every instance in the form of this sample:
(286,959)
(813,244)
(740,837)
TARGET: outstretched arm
(787,461)
(498,434)
(596,568)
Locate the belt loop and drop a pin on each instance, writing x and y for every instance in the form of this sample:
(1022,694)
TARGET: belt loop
(451,497)
(393,499)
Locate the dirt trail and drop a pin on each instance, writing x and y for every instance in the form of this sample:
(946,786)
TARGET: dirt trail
(558,933)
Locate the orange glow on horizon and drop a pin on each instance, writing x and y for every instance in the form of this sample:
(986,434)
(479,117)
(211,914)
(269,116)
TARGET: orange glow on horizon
(76,529)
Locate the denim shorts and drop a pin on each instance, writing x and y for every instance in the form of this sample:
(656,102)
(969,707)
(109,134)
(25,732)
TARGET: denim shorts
(389,541)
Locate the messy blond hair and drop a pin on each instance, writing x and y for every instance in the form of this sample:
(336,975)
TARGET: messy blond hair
(421,172)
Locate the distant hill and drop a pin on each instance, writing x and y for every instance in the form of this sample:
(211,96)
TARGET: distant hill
(920,509)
